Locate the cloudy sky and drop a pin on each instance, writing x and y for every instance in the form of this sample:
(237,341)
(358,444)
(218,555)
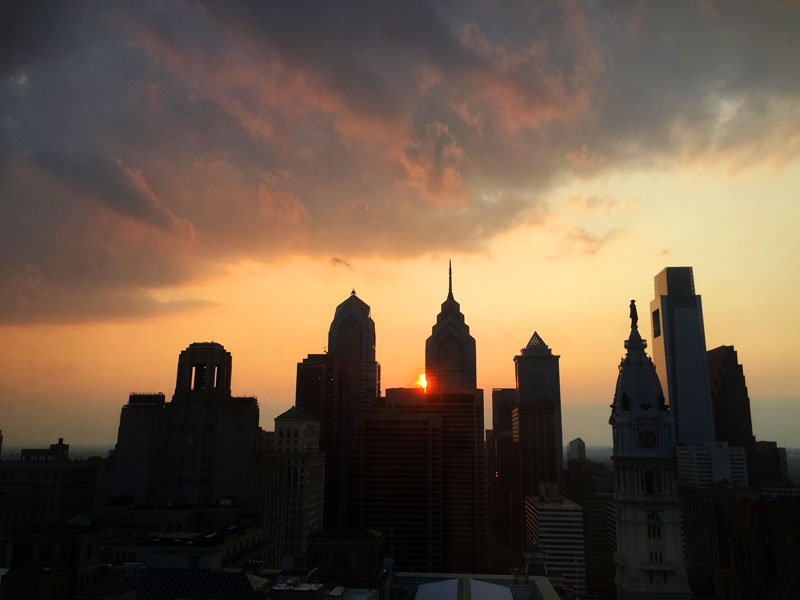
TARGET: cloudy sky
(174,172)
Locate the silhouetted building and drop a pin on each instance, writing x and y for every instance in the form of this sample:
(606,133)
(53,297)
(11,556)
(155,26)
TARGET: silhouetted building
(537,418)
(576,450)
(771,460)
(700,543)
(297,441)
(649,550)
(450,350)
(679,354)
(351,338)
(398,481)
(204,448)
(421,457)
(52,561)
(335,387)
(711,462)
(45,486)
(731,404)
(503,478)
(554,526)
(765,552)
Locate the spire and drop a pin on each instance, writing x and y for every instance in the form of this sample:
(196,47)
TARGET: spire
(450,279)
(536,346)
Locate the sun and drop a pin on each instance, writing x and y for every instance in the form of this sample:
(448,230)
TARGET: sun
(422,382)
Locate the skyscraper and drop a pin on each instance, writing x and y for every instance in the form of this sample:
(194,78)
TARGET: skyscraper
(351,338)
(450,350)
(649,552)
(679,354)
(297,441)
(335,387)
(731,404)
(537,418)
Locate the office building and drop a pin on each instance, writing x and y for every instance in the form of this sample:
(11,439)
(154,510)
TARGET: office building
(335,387)
(554,527)
(710,463)
(537,417)
(576,450)
(296,440)
(649,547)
(204,448)
(679,354)
(731,404)
(450,350)
(503,477)
(44,486)
(398,481)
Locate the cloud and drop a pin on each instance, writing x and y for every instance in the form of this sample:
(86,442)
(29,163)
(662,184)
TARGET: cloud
(143,145)
(578,241)
(340,262)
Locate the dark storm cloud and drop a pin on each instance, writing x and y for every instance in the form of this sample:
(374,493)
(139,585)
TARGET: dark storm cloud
(143,145)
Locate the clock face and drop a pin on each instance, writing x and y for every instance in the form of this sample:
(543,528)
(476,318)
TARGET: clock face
(647,438)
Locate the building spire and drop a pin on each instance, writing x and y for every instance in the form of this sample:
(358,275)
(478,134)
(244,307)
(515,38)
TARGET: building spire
(450,279)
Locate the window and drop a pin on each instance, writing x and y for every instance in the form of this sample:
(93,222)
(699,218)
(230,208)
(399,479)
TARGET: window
(656,323)
(653,526)
(649,482)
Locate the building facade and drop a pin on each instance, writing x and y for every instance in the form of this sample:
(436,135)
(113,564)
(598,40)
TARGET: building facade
(537,418)
(297,441)
(554,526)
(679,354)
(450,350)
(649,555)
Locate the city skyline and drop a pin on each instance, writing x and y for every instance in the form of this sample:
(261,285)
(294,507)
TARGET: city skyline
(189,173)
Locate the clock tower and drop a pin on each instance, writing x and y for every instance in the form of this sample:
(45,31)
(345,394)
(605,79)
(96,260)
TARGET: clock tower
(649,555)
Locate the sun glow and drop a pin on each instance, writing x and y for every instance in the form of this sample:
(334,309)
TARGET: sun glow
(422,382)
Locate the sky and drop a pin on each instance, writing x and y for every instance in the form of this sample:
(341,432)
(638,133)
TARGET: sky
(173,172)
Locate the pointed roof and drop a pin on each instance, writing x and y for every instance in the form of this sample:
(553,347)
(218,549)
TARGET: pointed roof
(536,346)
(297,413)
(638,386)
(353,302)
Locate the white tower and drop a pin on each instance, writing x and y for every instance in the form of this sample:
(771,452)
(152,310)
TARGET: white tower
(649,554)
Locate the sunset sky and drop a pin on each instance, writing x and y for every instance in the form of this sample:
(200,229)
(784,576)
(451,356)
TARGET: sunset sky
(173,172)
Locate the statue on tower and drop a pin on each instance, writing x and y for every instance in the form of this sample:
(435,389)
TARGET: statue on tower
(634,315)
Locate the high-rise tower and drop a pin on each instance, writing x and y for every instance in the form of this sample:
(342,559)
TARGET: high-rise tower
(351,338)
(335,387)
(679,354)
(450,350)
(649,554)
(537,418)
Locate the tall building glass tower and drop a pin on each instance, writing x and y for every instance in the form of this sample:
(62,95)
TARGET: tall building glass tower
(679,354)
(537,418)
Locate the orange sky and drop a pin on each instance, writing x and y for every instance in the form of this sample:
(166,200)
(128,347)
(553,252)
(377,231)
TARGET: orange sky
(208,171)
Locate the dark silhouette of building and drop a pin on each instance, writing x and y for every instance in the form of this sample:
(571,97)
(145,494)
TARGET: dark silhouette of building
(765,552)
(52,561)
(649,555)
(398,480)
(204,448)
(45,486)
(503,478)
(679,354)
(335,387)
(731,404)
(537,418)
(351,338)
(296,439)
(450,350)
(421,458)
(771,463)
